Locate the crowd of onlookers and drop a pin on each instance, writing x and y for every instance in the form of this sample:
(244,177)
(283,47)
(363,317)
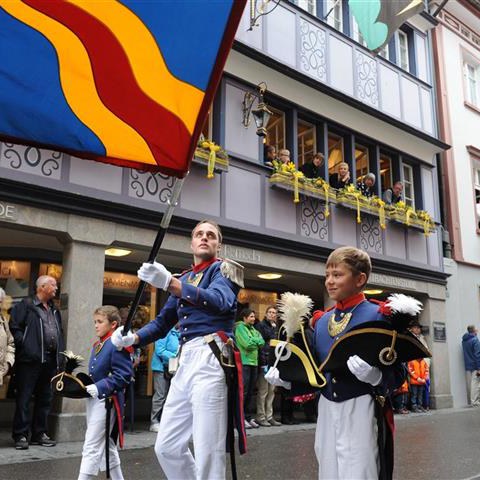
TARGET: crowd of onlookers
(340,179)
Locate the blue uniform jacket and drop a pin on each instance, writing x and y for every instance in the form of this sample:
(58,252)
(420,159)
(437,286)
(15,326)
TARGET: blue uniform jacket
(344,385)
(165,348)
(111,371)
(208,303)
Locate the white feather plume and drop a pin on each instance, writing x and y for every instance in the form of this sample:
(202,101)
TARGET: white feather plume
(293,308)
(400,303)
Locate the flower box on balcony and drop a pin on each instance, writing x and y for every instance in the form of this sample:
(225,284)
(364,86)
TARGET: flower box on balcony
(210,154)
(415,219)
(306,186)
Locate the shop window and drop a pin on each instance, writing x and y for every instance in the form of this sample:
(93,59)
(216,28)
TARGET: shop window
(361,161)
(52,270)
(471,73)
(306,142)
(386,180)
(276,129)
(256,300)
(334,10)
(15,278)
(408,186)
(335,152)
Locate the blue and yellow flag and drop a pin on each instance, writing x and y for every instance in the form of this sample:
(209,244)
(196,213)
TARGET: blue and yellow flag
(379,19)
(127,82)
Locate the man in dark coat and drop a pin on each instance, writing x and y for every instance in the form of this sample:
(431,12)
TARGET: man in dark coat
(471,357)
(36,326)
(314,168)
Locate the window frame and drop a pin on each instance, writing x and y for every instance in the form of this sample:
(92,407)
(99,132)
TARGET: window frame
(476,191)
(331,19)
(313,126)
(468,61)
(402,34)
(408,167)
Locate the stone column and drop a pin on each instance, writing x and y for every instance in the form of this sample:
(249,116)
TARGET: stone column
(81,292)
(434,310)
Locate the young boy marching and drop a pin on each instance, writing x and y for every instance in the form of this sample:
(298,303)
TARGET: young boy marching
(111,370)
(346,440)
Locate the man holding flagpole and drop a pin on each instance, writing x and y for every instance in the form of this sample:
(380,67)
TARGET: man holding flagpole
(204,301)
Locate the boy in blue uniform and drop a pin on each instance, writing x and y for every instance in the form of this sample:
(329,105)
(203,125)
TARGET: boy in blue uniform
(350,420)
(204,301)
(111,370)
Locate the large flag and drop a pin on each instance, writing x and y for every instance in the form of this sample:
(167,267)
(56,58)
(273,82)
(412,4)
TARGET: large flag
(127,82)
(379,19)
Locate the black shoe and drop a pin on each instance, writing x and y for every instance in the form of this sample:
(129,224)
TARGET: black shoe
(44,440)
(287,421)
(21,443)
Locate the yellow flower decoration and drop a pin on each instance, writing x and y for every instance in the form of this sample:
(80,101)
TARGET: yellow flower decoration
(212,157)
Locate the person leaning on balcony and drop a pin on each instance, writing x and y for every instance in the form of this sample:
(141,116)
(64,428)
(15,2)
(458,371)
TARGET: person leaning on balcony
(269,155)
(7,345)
(284,156)
(366,186)
(314,168)
(342,178)
(393,195)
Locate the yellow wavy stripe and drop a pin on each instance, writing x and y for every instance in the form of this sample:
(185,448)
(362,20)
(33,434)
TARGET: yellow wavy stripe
(148,65)
(119,139)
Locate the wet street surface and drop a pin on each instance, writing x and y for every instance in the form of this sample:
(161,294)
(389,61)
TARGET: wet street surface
(439,445)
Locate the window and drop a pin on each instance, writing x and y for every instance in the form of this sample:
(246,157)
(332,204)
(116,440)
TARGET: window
(476,187)
(471,73)
(361,161)
(306,142)
(385,52)
(408,187)
(404,60)
(385,172)
(335,152)
(276,129)
(308,5)
(207,128)
(334,11)
(357,35)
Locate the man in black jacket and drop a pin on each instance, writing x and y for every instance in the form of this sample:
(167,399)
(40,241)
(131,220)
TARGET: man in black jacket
(36,326)
(314,169)
(266,392)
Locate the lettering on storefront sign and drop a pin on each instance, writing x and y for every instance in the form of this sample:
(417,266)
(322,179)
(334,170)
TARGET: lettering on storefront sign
(240,254)
(385,280)
(121,281)
(8,212)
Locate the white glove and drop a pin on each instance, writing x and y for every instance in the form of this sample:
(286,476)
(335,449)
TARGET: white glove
(155,274)
(122,341)
(92,390)
(364,371)
(273,378)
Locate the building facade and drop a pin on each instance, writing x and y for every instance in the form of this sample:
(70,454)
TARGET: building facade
(457,57)
(328,94)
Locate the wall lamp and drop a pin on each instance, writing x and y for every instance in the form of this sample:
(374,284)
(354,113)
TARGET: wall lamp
(258,8)
(261,114)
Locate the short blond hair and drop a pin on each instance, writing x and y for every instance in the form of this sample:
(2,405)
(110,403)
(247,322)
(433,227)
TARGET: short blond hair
(355,259)
(112,313)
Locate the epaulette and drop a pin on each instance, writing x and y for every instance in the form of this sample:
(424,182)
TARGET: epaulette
(232,270)
(329,309)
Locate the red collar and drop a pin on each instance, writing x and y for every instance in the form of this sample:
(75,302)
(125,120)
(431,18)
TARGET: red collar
(351,301)
(203,265)
(105,337)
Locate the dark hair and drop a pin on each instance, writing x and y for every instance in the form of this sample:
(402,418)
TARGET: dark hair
(246,312)
(471,329)
(213,224)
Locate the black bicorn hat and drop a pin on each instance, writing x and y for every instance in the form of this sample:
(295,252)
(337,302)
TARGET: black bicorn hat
(66,383)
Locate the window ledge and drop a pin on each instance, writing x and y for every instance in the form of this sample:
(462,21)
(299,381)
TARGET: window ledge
(472,107)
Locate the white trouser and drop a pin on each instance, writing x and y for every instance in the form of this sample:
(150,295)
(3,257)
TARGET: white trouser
(346,439)
(196,406)
(93,454)
(474,389)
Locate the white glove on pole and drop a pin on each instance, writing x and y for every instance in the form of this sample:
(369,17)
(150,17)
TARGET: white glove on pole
(273,378)
(364,371)
(92,390)
(122,341)
(155,274)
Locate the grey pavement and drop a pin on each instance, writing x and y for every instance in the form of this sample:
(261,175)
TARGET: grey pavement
(443,445)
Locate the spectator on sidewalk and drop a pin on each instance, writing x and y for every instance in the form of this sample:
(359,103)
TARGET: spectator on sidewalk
(165,349)
(248,341)
(7,348)
(419,374)
(36,326)
(400,399)
(471,358)
(265,391)
(416,329)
